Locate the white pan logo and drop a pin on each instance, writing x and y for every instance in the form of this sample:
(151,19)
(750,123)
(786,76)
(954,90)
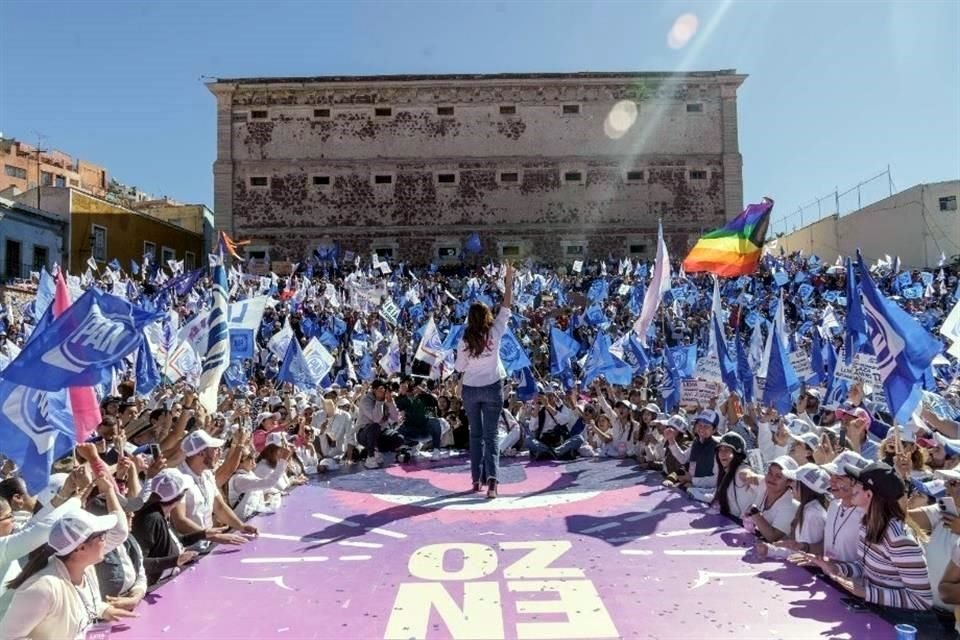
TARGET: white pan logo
(98,339)
(27,408)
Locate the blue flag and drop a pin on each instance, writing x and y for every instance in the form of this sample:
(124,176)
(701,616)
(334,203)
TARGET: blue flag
(562,349)
(600,362)
(115,265)
(782,379)
(473,244)
(683,360)
(595,317)
(45,291)
(816,359)
(527,389)
(36,429)
(856,334)
(295,369)
(599,290)
(148,377)
(134,268)
(512,354)
(453,338)
(728,369)
(904,349)
(634,354)
(365,368)
(744,370)
(93,334)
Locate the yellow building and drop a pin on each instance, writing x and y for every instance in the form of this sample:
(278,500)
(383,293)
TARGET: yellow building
(193,217)
(107,231)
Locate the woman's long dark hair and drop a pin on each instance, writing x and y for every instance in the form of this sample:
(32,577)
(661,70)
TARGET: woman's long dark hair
(727,476)
(477,333)
(807,495)
(36,561)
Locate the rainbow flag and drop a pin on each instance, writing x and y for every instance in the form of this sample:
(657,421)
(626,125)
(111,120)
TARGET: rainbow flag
(733,250)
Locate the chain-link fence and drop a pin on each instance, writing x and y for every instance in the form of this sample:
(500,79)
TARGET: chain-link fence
(837,203)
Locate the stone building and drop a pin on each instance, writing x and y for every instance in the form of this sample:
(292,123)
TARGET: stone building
(555,166)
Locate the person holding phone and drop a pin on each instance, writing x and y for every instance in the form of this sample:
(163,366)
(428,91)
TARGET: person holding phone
(940,520)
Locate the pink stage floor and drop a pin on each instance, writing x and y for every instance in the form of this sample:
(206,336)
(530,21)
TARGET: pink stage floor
(584,550)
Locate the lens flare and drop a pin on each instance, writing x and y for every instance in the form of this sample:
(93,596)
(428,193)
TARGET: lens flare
(684,28)
(620,119)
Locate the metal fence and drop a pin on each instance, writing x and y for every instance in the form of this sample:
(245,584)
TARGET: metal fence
(837,203)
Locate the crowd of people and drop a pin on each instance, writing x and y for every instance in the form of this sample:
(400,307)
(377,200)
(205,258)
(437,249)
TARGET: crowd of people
(828,479)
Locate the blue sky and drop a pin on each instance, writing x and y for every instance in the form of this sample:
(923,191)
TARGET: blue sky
(837,90)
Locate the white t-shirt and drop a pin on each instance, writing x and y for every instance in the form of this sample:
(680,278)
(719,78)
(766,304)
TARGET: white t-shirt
(198,500)
(841,535)
(939,549)
(740,497)
(814,523)
(780,514)
(487,368)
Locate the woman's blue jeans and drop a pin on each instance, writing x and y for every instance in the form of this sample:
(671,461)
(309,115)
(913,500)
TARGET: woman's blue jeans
(483,406)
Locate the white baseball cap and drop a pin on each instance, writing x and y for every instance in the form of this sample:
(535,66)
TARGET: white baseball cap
(198,441)
(947,474)
(811,475)
(848,458)
(679,423)
(263,416)
(277,438)
(786,463)
(810,439)
(169,484)
(75,528)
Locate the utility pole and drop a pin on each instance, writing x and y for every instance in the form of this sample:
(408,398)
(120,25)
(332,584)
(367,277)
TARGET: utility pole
(40,138)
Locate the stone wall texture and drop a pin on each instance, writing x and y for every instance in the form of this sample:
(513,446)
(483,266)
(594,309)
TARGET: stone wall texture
(536,164)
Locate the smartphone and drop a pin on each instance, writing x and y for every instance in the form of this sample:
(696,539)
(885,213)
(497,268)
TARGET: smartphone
(155,451)
(948,505)
(854,604)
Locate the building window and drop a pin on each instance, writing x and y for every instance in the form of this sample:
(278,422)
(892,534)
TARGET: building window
(384,252)
(15,172)
(509,177)
(635,176)
(40,256)
(508,110)
(447,178)
(166,255)
(383,178)
(383,112)
(573,177)
(444,111)
(574,250)
(321,181)
(948,203)
(510,250)
(697,174)
(189,261)
(98,236)
(150,249)
(259,255)
(46,179)
(60,181)
(637,249)
(445,253)
(321,113)
(12,268)
(259,181)
(571,109)
(694,107)
(259,114)
(74,183)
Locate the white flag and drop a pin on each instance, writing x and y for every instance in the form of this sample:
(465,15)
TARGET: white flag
(281,340)
(429,350)
(659,285)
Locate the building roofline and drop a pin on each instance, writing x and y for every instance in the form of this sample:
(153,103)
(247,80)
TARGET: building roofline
(14,205)
(483,77)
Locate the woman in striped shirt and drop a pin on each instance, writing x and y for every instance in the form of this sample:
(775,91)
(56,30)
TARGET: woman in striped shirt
(891,569)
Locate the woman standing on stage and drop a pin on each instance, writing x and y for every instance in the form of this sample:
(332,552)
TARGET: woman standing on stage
(478,360)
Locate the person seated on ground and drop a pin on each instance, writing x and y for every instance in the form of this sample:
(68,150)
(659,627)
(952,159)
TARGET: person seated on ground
(773,437)
(508,433)
(203,499)
(676,432)
(599,431)
(623,429)
(249,493)
(163,551)
(732,496)
(700,456)
(266,422)
(648,432)
(732,420)
(269,458)
(772,515)
(123,581)
(551,423)
(304,450)
(811,486)
(901,452)
(419,409)
(23,505)
(941,523)
(651,454)
(376,411)
(890,569)
(842,529)
(57,594)
(574,439)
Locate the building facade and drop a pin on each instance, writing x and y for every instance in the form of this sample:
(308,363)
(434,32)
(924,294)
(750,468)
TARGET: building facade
(555,166)
(192,217)
(108,231)
(30,239)
(24,167)
(918,224)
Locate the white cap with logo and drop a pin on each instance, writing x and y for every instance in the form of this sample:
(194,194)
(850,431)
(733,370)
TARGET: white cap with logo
(198,441)
(75,528)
